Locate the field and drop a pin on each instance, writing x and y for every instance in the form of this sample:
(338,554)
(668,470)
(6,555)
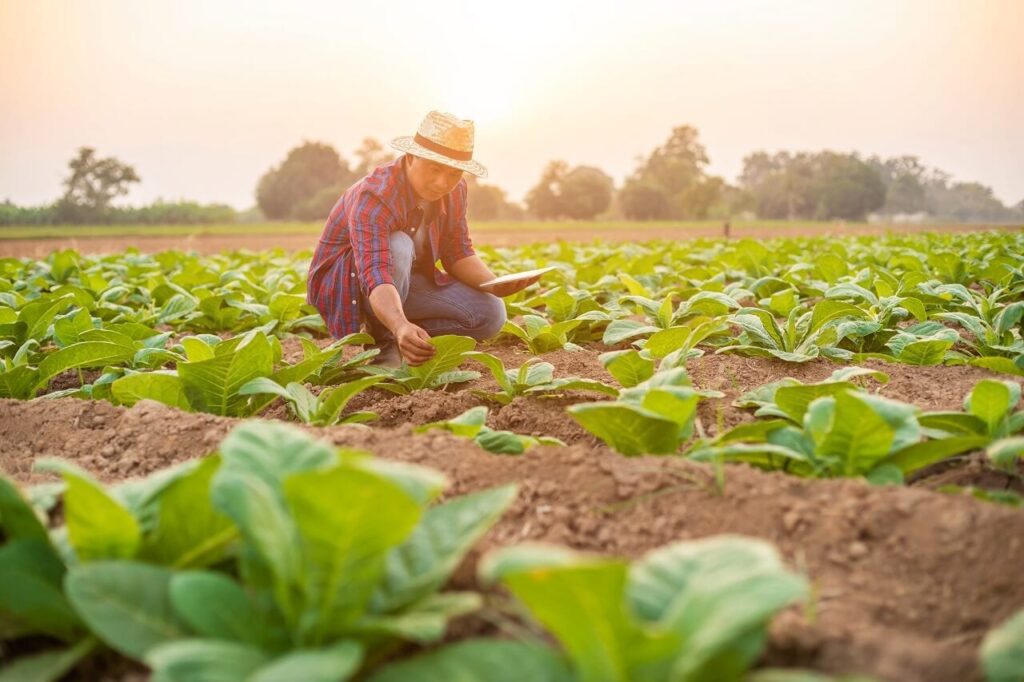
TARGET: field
(745,458)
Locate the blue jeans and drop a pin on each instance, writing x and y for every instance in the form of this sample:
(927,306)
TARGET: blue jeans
(451,309)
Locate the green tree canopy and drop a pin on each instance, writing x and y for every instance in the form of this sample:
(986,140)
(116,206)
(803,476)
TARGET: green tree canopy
(309,170)
(581,193)
(92,185)
(676,171)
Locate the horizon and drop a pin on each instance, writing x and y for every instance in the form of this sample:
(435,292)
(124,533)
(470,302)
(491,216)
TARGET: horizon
(171,90)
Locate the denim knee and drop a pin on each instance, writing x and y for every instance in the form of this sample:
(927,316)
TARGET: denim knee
(489,317)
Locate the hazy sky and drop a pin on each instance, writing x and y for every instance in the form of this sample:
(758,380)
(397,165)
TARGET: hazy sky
(202,96)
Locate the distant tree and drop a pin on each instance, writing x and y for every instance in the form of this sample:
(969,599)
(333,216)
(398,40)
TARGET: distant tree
(489,202)
(581,193)
(643,202)
(308,169)
(845,187)
(823,185)
(543,201)
(371,154)
(585,192)
(92,185)
(676,170)
(904,180)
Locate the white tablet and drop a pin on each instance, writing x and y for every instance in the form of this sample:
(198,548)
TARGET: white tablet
(516,276)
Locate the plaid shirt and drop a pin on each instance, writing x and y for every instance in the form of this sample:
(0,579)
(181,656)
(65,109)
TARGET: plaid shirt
(354,251)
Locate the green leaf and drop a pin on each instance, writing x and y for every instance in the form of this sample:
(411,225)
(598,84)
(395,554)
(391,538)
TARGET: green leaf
(919,455)
(991,401)
(1005,452)
(622,330)
(423,563)
(628,367)
(344,546)
(467,425)
(98,526)
(496,368)
(330,664)
(502,442)
(17,518)
(717,595)
(48,666)
(448,356)
(212,385)
(214,605)
(126,604)
(629,429)
(424,621)
(190,532)
(205,660)
(31,595)
(162,386)
(84,354)
(334,400)
(1002,651)
(480,660)
(579,600)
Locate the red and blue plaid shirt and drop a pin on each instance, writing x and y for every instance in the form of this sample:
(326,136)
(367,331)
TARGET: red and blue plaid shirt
(354,251)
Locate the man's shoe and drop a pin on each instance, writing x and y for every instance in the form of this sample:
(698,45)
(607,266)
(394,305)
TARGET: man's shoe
(389,356)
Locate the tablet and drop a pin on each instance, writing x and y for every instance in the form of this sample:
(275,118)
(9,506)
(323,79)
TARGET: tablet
(515,277)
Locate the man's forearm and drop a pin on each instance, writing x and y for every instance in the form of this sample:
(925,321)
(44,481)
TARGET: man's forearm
(471,271)
(387,306)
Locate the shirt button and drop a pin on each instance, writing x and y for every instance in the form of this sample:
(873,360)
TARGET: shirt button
(353,301)
(351,274)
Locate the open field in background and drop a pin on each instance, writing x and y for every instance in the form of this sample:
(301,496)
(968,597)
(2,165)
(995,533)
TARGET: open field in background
(37,241)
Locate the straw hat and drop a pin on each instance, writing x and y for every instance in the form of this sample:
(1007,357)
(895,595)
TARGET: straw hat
(445,139)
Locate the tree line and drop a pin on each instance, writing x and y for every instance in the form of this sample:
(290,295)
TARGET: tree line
(670,183)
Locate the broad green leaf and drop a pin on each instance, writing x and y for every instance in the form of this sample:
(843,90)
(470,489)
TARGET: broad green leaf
(480,660)
(628,367)
(189,532)
(329,664)
(212,385)
(162,386)
(82,355)
(98,526)
(126,604)
(919,455)
(48,666)
(629,429)
(991,400)
(205,660)
(581,601)
(1005,452)
(423,563)
(717,594)
(31,595)
(448,356)
(344,546)
(17,518)
(214,605)
(424,621)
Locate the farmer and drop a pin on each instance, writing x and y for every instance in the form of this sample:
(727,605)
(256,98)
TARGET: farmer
(376,258)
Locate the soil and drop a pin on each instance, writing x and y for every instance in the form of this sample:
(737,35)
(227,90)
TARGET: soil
(907,581)
(290,241)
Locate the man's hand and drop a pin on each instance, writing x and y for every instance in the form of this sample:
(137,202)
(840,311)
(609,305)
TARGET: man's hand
(509,288)
(414,343)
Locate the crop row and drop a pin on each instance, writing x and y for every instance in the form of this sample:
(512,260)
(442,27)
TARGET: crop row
(280,557)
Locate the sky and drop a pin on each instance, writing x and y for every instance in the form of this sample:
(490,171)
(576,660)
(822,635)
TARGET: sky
(204,96)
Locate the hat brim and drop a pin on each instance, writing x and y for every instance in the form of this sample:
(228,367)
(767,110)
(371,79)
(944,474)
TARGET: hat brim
(410,146)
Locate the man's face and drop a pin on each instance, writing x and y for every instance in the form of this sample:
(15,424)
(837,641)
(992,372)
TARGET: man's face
(431,180)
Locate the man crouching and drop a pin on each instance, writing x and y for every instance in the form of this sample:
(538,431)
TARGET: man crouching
(375,262)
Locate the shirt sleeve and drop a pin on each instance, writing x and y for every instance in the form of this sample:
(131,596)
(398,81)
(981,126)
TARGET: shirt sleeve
(456,244)
(370,225)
